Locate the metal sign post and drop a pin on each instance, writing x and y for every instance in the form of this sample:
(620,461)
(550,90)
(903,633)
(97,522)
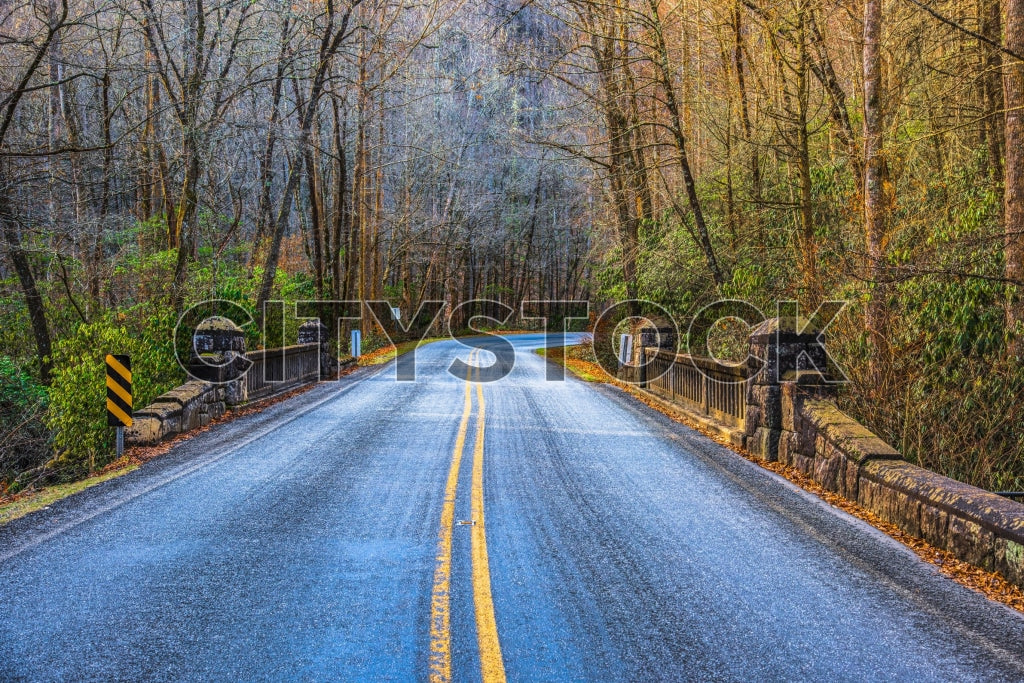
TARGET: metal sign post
(119,396)
(356,343)
(625,349)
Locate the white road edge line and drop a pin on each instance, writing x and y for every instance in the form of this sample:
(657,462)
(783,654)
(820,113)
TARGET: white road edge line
(187,470)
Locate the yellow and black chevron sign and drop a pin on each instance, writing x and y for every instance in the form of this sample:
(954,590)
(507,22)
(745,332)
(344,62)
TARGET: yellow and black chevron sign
(119,390)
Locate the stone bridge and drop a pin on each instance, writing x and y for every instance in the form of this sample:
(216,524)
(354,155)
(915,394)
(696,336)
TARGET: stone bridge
(779,407)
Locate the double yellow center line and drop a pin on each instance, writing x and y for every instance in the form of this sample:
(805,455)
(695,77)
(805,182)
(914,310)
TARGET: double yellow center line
(491,665)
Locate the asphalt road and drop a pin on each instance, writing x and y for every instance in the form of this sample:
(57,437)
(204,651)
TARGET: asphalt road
(366,531)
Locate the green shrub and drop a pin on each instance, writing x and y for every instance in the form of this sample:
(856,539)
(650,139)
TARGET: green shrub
(15,328)
(77,413)
(24,438)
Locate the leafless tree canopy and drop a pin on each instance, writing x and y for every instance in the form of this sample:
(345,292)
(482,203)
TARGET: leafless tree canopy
(161,152)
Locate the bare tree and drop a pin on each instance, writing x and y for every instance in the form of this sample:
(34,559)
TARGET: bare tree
(1013,87)
(876,202)
(197,87)
(334,32)
(46,25)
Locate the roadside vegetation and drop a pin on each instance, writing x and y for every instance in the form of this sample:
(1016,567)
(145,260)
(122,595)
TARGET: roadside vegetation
(13,506)
(676,153)
(58,433)
(580,360)
(389,351)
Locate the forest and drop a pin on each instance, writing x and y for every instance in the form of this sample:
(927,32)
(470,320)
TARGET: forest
(159,153)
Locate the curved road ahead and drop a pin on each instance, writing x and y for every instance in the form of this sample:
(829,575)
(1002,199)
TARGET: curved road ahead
(374,529)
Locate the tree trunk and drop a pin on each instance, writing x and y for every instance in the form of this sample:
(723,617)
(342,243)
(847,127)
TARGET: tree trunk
(875,203)
(808,239)
(329,45)
(342,215)
(671,104)
(8,221)
(317,219)
(33,300)
(748,128)
(264,215)
(185,223)
(108,166)
(992,28)
(1013,198)
(823,70)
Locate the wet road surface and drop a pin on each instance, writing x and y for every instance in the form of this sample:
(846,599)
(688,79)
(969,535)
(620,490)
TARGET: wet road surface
(380,530)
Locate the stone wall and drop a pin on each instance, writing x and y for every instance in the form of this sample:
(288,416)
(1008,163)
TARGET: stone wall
(218,355)
(792,418)
(191,406)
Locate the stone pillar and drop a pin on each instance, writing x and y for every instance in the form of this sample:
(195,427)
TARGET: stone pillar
(315,332)
(660,336)
(218,348)
(786,377)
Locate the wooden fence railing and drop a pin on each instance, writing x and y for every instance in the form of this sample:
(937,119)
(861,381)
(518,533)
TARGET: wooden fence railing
(718,391)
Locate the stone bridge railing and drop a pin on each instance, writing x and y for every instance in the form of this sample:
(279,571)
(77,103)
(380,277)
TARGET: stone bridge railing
(220,350)
(779,408)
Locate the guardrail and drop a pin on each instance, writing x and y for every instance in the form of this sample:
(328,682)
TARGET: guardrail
(275,370)
(702,384)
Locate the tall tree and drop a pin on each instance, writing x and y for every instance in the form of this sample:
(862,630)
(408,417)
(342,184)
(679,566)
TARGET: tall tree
(875,201)
(197,87)
(335,31)
(660,58)
(52,21)
(1013,87)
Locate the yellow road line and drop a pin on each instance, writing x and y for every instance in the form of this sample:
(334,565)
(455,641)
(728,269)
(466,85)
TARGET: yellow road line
(440,603)
(492,669)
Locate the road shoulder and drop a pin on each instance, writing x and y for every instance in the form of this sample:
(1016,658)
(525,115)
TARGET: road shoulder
(989,584)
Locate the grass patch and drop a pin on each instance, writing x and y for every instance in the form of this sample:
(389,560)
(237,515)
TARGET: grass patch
(22,504)
(386,353)
(579,360)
